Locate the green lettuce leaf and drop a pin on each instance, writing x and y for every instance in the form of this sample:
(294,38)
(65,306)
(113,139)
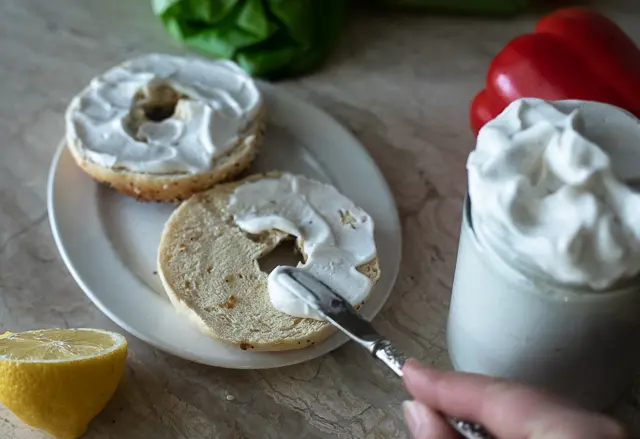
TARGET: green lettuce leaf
(267,38)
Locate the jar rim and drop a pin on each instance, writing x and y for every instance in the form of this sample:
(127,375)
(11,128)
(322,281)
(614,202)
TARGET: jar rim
(575,292)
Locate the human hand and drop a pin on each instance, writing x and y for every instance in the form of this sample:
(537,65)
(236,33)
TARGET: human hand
(506,409)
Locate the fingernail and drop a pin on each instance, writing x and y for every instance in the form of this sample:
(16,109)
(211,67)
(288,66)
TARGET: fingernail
(414,415)
(409,363)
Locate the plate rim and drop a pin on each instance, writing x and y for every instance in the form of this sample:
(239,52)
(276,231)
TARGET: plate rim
(333,342)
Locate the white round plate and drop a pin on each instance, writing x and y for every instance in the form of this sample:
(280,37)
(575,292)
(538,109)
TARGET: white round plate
(109,241)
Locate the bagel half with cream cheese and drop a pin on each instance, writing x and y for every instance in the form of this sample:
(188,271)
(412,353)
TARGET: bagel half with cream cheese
(210,248)
(163,127)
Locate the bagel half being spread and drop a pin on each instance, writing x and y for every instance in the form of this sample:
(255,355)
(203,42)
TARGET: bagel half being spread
(163,127)
(210,248)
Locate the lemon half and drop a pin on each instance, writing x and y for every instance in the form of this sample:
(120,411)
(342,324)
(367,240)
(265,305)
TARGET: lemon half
(58,380)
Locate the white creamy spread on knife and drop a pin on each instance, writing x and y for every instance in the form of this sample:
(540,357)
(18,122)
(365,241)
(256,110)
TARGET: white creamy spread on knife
(163,114)
(544,183)
(335,235)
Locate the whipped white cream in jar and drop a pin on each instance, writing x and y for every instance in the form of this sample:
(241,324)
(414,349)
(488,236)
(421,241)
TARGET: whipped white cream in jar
(547,282)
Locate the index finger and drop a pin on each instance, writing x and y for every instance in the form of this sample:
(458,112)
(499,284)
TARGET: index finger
(506,409)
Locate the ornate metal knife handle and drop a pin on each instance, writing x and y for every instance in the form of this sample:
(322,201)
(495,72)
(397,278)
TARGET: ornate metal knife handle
(339,312)
(395,359)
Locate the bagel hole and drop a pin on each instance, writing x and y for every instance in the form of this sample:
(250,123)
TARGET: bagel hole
(286,253)
(155,102)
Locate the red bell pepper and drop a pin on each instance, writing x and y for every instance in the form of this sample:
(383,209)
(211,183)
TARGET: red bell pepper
(573,53)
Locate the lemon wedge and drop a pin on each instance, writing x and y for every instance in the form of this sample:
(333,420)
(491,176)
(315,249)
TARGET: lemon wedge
(58,380)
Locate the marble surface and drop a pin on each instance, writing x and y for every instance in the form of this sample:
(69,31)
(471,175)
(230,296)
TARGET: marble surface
(400,82)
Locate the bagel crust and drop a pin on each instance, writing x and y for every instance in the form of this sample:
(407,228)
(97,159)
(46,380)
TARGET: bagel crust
(176,186)
(209,269)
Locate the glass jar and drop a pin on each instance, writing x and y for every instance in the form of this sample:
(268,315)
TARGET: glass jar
(510,322)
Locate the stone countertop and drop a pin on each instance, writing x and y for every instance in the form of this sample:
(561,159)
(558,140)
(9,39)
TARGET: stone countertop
(401,82)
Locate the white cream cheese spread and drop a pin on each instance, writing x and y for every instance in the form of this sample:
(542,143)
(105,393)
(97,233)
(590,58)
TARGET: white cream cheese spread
(162,114)
(546,188)
(335,235)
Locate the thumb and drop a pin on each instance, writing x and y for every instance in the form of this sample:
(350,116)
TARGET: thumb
(424,423)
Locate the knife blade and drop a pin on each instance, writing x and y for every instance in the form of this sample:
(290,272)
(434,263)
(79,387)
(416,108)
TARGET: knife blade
(340,313)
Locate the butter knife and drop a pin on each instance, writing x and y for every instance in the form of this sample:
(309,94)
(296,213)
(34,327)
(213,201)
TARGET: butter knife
(335,309)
